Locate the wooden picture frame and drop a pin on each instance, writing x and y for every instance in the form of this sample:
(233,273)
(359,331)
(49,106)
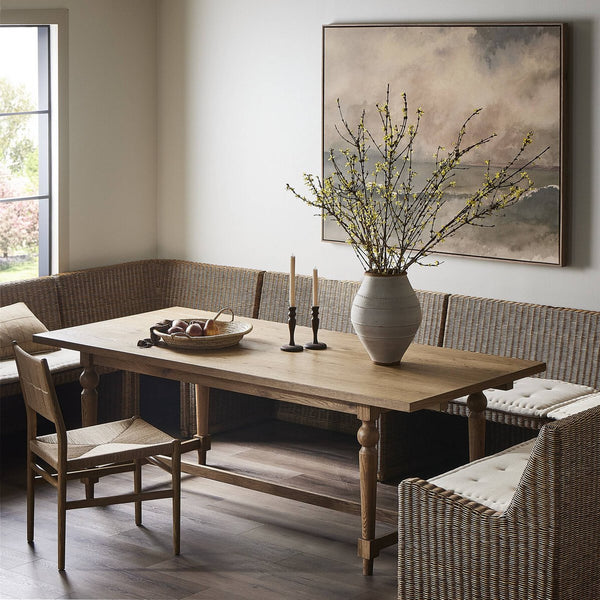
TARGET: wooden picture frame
(514,71)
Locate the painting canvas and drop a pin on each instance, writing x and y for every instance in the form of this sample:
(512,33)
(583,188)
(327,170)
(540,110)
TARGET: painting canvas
(513,72)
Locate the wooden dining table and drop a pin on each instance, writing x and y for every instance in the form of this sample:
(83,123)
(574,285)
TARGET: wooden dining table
(341,378)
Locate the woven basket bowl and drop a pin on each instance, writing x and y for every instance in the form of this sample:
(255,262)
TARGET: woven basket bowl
(230,334)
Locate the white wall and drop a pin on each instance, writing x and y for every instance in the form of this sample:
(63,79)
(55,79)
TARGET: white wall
(228,110)
(111,128)
(239,116)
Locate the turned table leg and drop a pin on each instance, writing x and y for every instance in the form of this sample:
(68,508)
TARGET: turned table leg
(476,404)
(202,405)
(368,436)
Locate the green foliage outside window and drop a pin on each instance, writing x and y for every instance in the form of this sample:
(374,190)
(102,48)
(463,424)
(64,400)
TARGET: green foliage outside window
(19,175)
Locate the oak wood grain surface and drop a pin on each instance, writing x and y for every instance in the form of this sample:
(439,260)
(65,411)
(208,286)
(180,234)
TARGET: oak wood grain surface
(341,375)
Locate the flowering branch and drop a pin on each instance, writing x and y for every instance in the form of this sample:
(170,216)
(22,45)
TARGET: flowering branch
(388,222)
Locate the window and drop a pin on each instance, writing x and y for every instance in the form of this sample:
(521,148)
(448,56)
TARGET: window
(33,142)
(25,156)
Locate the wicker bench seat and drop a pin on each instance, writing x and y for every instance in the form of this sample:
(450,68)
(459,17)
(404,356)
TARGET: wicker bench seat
(577,406)
(59,361)
(41,297)
(531,401)
(567,339)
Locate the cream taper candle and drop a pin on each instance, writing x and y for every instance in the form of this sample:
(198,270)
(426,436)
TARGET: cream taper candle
(292,280)
(315,287)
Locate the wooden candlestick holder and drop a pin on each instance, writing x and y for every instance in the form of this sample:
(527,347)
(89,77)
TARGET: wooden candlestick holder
(292,346)
(315,344)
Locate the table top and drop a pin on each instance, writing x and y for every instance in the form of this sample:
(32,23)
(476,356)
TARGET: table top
(427,376)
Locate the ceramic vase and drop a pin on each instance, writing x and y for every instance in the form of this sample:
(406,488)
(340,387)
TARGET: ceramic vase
(386,315)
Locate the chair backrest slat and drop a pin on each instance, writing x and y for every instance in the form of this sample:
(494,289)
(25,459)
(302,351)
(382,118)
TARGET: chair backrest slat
(38,388)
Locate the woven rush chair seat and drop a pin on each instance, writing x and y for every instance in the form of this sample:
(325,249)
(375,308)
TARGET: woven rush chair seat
(523,523)
(118,441)
(530,403)
(89,453)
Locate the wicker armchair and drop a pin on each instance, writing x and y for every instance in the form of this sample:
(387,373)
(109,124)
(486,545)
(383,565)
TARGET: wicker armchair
(541,541)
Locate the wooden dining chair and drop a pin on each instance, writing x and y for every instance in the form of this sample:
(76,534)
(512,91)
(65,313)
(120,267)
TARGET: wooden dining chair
(89,453)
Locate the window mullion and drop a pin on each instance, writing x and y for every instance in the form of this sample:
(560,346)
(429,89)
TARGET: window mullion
(26,112)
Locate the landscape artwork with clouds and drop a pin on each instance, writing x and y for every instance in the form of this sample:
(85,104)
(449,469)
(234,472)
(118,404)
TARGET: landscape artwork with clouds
(514,72)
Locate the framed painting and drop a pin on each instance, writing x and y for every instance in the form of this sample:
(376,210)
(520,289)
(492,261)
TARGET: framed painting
(514,72)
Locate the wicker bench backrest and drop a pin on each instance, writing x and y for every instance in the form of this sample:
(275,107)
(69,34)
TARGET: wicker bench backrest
(567,339)
(109,292)
(335,301)
(40,295)
(211,287)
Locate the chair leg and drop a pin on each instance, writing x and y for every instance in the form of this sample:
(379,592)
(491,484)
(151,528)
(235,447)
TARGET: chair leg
(89,482)
(137,488)
(176,484)
(62,519)
(30,496)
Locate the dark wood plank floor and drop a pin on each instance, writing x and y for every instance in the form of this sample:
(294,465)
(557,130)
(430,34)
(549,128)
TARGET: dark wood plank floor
(235,543)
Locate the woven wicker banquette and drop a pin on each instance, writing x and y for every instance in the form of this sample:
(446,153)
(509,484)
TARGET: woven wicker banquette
(568,339)
(100,293)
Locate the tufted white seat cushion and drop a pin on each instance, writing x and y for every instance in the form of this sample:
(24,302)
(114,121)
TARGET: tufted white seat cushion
(60,360)
(490,481)
(533,396)
(571,408)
